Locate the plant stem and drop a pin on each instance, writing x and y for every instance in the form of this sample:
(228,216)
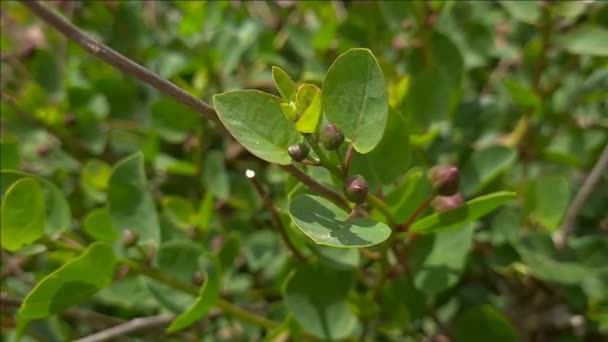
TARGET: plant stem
(323,160)
(347,159)
(405,226)
(319,188)
(382,207)
(274,215)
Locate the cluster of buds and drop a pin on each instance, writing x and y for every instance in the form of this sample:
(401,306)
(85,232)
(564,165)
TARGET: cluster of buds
(445,180)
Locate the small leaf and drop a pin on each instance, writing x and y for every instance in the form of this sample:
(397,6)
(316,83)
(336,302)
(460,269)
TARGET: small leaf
(130,204)
(526,11)
(428,97)
(326,224)
(496,327)
(355,98)
(209,294)
(339,258)
(73,283)
(443,266)
(98,225)
(585,40)
(289,110)
(317,299)
(215,176)
(58,214)
(22,214)
(484,166)
(285,86)
(547,200)
(522,95)
(413,190)
(179,210)
(255,120)
(308,108)
(467,213)
(173,120)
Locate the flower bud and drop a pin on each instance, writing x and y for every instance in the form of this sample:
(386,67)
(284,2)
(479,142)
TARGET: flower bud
(332,137)
(445,203)
(356,189)
(445,179)
(298,152)
(129,238)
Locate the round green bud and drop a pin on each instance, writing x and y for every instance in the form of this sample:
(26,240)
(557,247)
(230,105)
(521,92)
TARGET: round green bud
(332,137)
(356,189)
(298,152)
(445,179)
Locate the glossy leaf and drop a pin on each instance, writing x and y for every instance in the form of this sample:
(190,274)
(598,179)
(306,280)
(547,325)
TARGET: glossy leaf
(209,294)
(390,159)
(339,258)
(22,214)
(255,120)
(130,204)
(585,40)
(484,166)
(326,224)
(308,108)
(467,213)
(355,98)
(496,327)
(58,213)
(285,86)
(73,283)
(316,297)
(547,201)
(98,225)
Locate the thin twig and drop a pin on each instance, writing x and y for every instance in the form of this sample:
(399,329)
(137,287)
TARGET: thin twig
(274,213)
(347,159)
(326,192)
(560,238)
(404,227)
(136,324)
(119,61)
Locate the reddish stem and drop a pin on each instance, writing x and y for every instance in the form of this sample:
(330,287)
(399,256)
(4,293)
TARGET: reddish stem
(405,226)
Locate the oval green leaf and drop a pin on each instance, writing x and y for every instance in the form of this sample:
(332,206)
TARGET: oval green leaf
(317,299)
(467,213)
(326,224)
(209,294)
(547,200)
(308,108)
(71,284)
(130,204)
(496,327)
(98,225)
(484,166)
(22,214)
(355,98)
(58,213)
(255,120)
(285,86)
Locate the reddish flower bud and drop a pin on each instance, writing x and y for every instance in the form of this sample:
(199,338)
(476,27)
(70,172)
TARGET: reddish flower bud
(445,179)
(332,137)
(356,189)
(129,238)
(298,152)
(445,203)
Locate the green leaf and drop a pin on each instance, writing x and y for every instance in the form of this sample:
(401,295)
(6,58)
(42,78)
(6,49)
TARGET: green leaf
(215,176)
(289,110)
(22,214)
(585,40)
(58,214)
(390,159)
(522,95)
(547,200)
(443,266)
(411,192)
(339,258)
(496,327)
(10,155)
(130,204)
(255,120)
(179,210)
(317,299)
(173,120)
(308,108)
(98,225)
(179,259)
(355,98)
(285,86)
(428,98)
(467,213)
(209,294)
(73,283)
(326,224)
(484,166)
(526,11)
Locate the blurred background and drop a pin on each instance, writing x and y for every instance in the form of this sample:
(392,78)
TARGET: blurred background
(514,92)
